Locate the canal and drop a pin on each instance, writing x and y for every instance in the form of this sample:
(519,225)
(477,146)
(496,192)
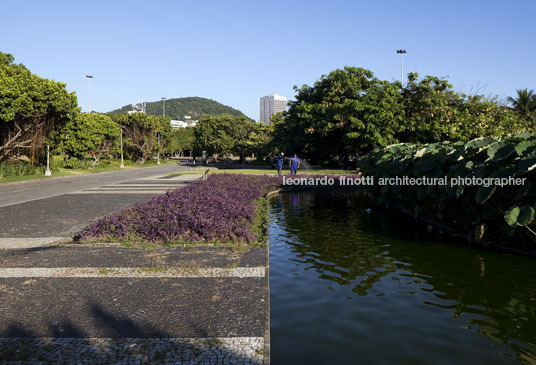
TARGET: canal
(350,286)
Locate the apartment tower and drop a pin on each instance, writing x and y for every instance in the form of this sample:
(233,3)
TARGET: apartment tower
(272,104)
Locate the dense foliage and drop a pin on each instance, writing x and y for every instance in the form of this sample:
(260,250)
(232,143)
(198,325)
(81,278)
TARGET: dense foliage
(181,141)
(141,134)
(225,134)
(88,136)
(219,209)
(350,112)
(194,107)
(30,108)
(491,213)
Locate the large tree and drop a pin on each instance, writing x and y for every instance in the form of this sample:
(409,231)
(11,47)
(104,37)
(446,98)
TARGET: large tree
(141,134)
(30,108)
(346,112)
(89,136)
(222,134)
(524,104)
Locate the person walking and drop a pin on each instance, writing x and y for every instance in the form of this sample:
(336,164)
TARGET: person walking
(294,165)
(280,159)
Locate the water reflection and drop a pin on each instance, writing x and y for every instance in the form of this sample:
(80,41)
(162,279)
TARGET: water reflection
(326,247)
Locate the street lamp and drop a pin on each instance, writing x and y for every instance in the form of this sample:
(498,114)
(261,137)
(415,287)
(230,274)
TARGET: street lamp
(89,77)
(122,166)
(163,106)
(401,52)
(47,172)
(158,135)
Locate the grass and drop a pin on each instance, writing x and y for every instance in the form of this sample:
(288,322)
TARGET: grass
(61,171)
(256,171)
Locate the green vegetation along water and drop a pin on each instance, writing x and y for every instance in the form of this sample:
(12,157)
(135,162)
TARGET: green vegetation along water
(350,287)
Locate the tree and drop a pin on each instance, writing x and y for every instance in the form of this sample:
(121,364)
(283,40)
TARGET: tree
(221,134)
(346,112)
(89,136)
(30,108)
(141,134)
(259,140)
(524,104)
(182,140)
(430,110)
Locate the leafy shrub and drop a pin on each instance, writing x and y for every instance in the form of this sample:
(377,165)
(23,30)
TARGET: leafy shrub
(11,169)
(74,163)
(498,213)
(219,209)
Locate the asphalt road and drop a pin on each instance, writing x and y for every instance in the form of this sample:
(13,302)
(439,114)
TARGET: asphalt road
(25,191)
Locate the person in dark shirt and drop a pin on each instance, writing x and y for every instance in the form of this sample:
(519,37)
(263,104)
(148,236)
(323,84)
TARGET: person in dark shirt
(294,165)
(280,159)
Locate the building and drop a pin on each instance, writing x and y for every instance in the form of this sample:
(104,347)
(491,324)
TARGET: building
(176,124)
(270,105)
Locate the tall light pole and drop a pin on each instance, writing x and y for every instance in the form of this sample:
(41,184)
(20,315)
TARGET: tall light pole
(158,163)
(122,166)
(47,172)
(401,52)
(163,106)
(89,77)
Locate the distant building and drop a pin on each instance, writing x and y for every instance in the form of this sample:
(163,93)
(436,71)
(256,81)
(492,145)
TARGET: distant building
(137,108)
(272,104)
(176,124)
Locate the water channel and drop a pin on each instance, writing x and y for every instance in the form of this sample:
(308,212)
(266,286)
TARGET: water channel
(352,287)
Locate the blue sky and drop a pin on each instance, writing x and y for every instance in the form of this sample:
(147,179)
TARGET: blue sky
(237,51)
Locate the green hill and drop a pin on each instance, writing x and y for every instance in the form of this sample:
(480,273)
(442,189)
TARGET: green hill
(177,108)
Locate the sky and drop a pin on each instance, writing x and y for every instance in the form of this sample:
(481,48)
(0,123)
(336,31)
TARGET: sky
(234,52)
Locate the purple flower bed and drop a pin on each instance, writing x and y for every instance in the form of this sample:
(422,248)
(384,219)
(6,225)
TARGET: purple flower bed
(221,208)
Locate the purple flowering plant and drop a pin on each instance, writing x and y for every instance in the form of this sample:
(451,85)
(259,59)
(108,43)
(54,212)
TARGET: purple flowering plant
(221,209)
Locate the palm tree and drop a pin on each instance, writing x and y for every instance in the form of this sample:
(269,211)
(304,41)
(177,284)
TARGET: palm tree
(525,103)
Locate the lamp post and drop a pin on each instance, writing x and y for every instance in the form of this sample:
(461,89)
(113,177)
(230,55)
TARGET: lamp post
(163,106)
(89,77)
(401,52)
(47,172)
(158,162)
(122,166)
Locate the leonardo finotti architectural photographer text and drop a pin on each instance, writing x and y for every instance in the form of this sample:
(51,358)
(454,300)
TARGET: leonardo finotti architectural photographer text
(402,181)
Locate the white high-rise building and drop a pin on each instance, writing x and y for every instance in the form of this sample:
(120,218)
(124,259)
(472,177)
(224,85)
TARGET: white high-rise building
(272,104)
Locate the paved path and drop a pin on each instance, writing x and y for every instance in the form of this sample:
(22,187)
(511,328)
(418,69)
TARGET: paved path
(20,192)
(108,304)
(62,207)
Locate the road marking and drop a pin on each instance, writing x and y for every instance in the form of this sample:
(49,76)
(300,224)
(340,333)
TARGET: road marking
(13,243)
(130,272)
(120,192)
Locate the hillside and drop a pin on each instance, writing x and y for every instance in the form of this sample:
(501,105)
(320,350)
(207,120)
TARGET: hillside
(177,108)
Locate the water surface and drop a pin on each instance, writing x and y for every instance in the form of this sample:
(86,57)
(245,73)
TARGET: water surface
(351,287)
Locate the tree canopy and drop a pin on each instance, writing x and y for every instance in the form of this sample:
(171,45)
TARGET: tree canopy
(30,108)
(349,112)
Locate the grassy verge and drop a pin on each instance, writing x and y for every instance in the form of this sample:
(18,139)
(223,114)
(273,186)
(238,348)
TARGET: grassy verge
(256,171)
(61,171)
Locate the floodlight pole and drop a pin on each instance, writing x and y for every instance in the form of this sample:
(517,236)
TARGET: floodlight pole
(163,106)
(89,77)
(47,172)
(158,162)
(122,166)
(401,52)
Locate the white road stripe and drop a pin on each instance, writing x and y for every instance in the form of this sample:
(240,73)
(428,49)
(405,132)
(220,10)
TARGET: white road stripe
(129,272)
(120,192)
(30,242)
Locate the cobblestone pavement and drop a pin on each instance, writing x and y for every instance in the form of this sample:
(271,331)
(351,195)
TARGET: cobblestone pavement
(105,304)
(233,350)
